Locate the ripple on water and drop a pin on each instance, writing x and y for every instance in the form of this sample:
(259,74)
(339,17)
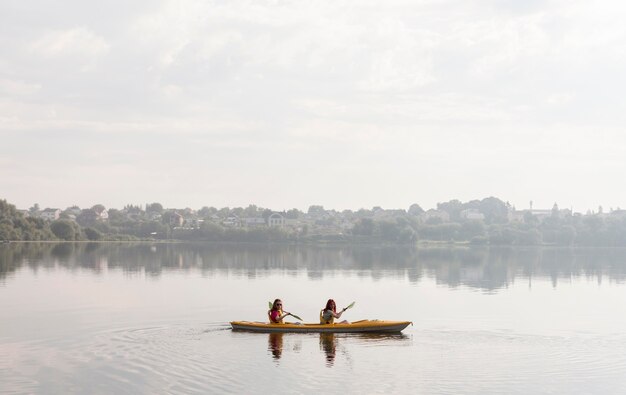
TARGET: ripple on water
(513,362)
(209,358)
(175,359)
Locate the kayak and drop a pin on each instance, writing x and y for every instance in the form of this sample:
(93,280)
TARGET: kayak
(364,326)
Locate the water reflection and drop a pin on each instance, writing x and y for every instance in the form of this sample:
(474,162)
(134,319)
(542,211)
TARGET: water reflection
(275,344)
(479,267)
(328,344)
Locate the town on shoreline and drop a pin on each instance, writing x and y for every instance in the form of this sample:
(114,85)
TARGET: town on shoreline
(489,221)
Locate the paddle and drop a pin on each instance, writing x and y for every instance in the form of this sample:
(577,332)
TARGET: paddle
(351,305)
(270,304)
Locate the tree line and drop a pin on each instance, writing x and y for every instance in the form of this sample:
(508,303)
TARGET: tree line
(366,226)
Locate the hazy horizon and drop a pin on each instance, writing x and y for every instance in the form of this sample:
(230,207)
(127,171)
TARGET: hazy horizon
(304,209)
(289,104)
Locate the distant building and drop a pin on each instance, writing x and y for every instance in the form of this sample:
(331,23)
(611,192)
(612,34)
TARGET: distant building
(103,215)
(75,210)
(50,214)
(253,222)
(193,223)
(539,214)
(232,220)
(472,214)
(176,220)
(515,215)
(435,214)
(276,219)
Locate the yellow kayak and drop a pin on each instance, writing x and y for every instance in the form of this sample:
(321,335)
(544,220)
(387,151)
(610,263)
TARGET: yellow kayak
(368,326)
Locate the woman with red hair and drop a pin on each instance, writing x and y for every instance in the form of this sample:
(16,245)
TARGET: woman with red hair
(329,313)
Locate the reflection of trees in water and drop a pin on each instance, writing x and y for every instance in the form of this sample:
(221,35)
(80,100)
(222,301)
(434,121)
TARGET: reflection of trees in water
(480,267)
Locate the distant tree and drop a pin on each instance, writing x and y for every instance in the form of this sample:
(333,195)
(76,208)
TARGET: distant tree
(87,217)
(251,211)
(499,235)
(153,229)
(472,229)
(304,231)
(92,234)
(434,221)
(453,208)
(294,213)
(132,209)
(34,208)
(364,213)
(65,230)
(211,231)
(238,211)
(154,208)
(364,227)
(388,231)
(440,232)
(206,212)
(116,216)
(166,217)
(8,232)
(494,210)
(415,209)
(531,236)
(316,210)
(407,235)
(347,214)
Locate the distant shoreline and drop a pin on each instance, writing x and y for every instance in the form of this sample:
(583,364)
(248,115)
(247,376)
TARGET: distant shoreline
(422,244)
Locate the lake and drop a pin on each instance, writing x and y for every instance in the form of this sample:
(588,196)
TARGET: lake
(145,318)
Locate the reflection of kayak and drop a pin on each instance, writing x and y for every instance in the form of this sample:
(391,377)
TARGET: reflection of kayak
(353,327)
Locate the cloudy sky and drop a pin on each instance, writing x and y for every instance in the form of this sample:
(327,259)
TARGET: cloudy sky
(283,104)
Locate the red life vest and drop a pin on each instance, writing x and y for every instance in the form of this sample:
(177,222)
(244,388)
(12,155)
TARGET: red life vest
(274,316)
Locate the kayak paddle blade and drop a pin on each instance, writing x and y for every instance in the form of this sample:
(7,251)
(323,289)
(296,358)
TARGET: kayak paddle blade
(296,317)
(270,305)
(351,305)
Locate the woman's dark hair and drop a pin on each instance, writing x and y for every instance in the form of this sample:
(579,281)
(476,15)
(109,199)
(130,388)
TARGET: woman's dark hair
(330,305)
(276,301)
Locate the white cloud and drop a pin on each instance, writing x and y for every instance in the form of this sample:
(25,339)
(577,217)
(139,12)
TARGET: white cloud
(409,88)
(18,88)
(78,41)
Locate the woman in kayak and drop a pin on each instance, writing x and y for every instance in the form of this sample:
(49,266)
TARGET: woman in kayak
(329,313)
(276,314)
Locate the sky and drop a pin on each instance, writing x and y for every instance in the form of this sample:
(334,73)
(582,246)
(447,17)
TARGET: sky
(286,104)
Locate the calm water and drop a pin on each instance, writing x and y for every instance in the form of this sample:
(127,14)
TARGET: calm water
(144,319)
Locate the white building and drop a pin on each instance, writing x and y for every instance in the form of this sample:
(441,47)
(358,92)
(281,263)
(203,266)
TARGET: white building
(50,214)
(434,214)
(276,219)
(472,214)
